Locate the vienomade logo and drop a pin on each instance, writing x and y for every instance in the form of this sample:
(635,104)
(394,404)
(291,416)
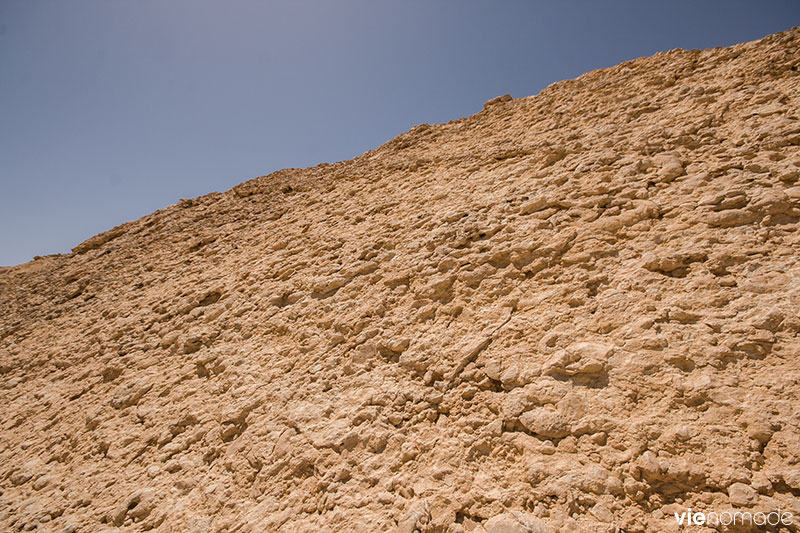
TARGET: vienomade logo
(732,517)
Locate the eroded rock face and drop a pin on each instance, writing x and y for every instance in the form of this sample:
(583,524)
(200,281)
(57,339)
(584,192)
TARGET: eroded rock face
(569,312)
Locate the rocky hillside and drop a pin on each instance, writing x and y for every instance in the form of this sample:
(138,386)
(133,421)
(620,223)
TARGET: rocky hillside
(575,311)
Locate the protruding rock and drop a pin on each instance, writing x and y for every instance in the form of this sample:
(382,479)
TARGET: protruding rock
(545,422)
(516,522)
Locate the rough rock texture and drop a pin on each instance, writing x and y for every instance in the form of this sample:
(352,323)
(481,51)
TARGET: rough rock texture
(576,311)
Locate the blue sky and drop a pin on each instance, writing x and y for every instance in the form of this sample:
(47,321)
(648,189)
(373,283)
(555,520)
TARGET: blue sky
(110,110)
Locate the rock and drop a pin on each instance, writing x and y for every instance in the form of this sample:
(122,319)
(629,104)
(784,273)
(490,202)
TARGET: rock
(497,100)
(545,422)
(773,202)
(771,320)
(516,522)
(792,478)
(136,506)
(364,353)
(43,481)
(130,393)
(587,358)
(649,465)
(730,218)
(730,199)
(415,519)
(510,377)
(667,263)
(535,204)
(602,513)
(325,285)
(671,167)
(24,473)
(515,403)
(742,495)
(396,345)
(437,287)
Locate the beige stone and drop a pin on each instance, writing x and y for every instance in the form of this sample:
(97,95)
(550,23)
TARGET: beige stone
(574,311)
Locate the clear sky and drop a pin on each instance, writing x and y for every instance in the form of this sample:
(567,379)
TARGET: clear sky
(111,109)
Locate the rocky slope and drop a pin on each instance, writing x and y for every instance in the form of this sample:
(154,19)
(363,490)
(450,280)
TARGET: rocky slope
(576,311)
